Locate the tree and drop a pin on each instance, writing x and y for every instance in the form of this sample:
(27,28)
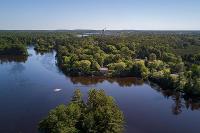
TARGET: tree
(62,119)
(66,62)
(83,65)
(95,66)
(99,115)
(156,65)
(117,66)
(13,49)
(126,53)
(139,69)
(179,67)
(152,57)
(195,71)
(103,115)
(77,97)
(100,58)
(110,49)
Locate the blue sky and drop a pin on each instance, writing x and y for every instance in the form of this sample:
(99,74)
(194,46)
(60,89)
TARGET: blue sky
(97,14)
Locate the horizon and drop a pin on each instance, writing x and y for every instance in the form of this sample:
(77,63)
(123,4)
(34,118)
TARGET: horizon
(93,30)
(155,15)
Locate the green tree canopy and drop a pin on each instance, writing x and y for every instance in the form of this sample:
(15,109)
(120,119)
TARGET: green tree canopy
(100,114)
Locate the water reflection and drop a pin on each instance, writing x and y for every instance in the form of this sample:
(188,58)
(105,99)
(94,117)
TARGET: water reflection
(180,100)
(17,68)
(123,82)
(43,52)
(47,62)
(8,59)
(192,104)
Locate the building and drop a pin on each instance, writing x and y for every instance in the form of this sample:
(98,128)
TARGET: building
(103,70)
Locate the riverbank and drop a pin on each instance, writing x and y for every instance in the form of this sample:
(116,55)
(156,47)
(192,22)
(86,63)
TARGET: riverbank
(27,94)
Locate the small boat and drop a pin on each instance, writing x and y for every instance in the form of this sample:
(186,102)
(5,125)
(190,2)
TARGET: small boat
(57,90)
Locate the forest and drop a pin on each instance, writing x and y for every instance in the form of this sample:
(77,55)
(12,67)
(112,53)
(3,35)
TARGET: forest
(170,59)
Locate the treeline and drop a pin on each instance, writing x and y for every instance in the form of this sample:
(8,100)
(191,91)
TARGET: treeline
(150,57)
(13,49)
(12,44)
(16,42)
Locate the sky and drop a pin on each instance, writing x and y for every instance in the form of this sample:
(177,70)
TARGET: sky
(98,14)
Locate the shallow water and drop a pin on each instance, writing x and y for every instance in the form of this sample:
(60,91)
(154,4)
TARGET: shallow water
(27,93)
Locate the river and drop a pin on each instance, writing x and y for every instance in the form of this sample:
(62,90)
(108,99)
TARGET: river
(30,87)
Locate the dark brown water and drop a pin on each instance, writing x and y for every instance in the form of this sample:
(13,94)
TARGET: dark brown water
(27,94)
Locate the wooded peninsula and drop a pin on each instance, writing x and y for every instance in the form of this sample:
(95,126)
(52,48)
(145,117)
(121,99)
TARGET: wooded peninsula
(168,58)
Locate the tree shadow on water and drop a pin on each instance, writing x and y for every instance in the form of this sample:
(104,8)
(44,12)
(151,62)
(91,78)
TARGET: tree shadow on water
(181,101)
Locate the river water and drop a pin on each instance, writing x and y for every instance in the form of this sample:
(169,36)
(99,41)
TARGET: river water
(30,87)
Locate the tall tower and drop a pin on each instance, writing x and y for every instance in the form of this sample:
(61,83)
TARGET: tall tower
(103,31)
